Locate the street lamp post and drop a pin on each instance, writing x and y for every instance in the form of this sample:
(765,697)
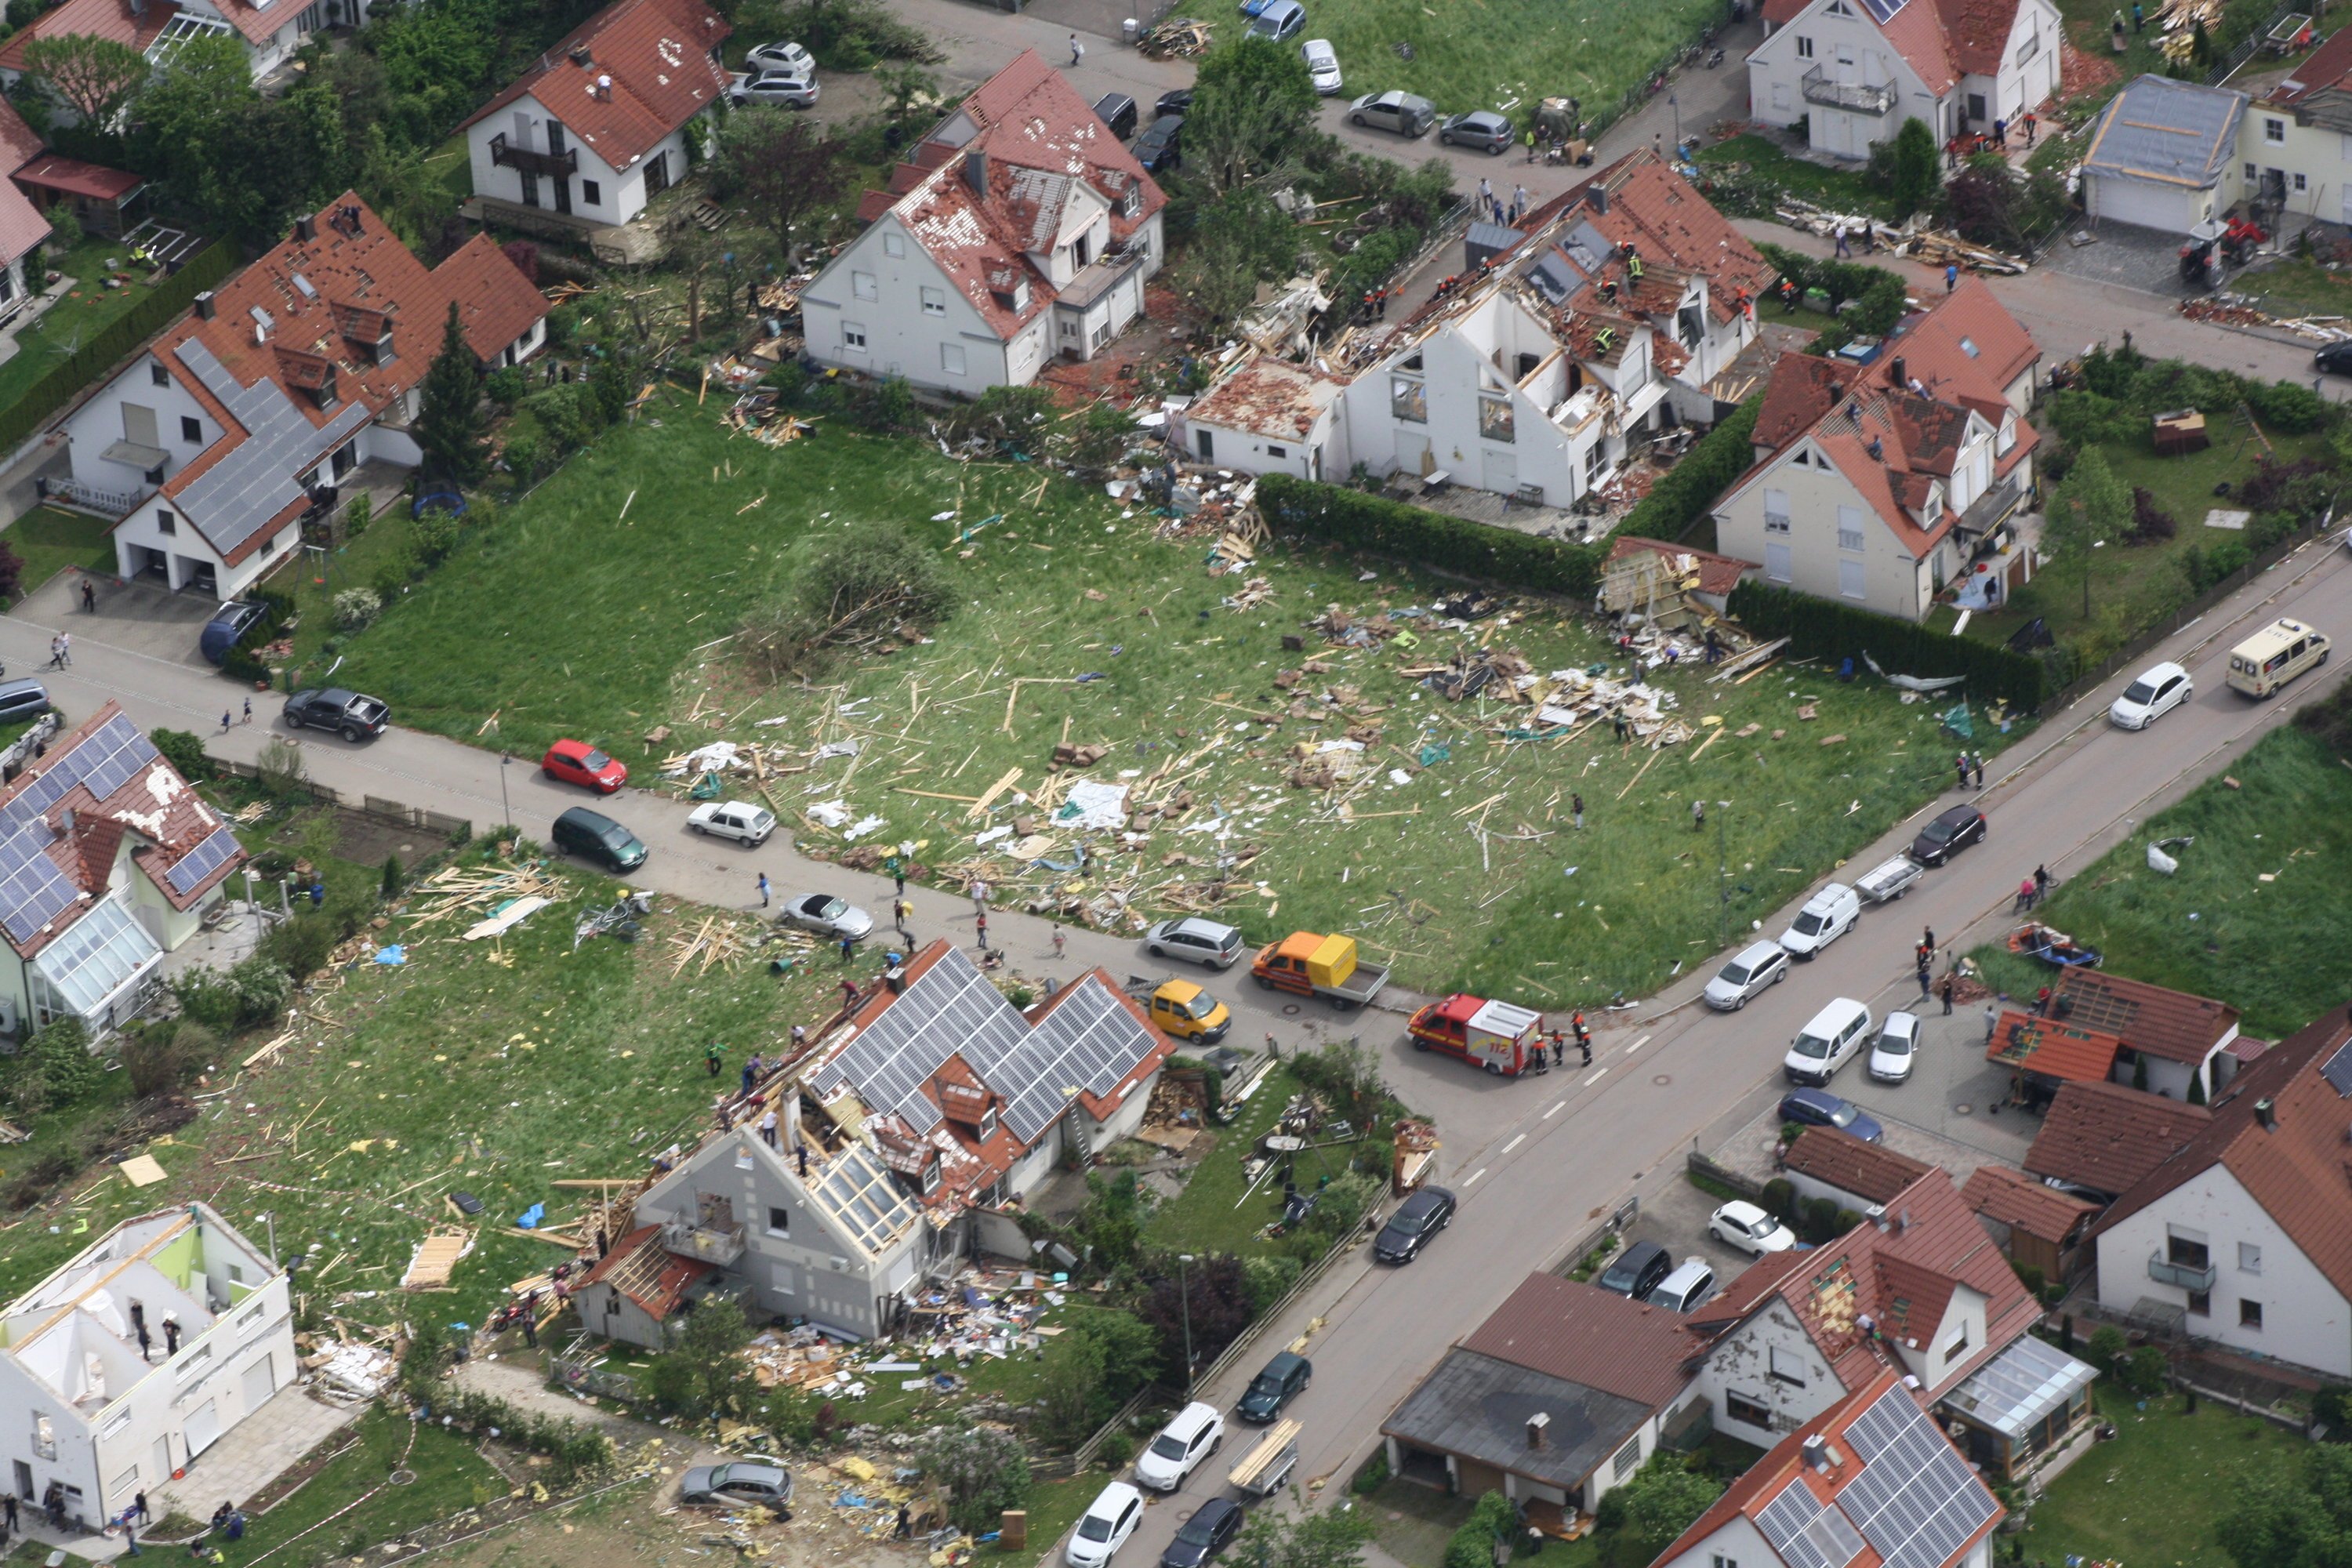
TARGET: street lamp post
(504,805)
(1723,878)
(1675,102)
(1184,1298)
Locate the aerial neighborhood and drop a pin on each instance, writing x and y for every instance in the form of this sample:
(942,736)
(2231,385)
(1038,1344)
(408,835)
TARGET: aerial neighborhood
(903,781)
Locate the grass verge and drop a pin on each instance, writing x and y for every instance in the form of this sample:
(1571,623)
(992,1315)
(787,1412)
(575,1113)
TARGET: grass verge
(50,540)
(449,1476)
(2297,286)
(1765,161)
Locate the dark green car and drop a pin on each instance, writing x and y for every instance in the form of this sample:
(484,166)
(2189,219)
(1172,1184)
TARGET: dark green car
(593,836)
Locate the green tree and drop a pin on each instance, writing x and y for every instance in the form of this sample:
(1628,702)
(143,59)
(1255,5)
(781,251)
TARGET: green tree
(1665,1498)
(984,1470)
(2279,1518)
(2091,507)
(1068,1385)
(61,1053)
(202,131)
(784,166)
(90,75)
(1252,105)
(1321,1540)
(449,425)
(1914,183)
(707,1352)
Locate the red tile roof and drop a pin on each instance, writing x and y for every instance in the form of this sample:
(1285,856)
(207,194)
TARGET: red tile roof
(1916,32)
(115,20)
(658,56)
(2329,68)
(1979,33)
(21,227)
(1803,389)
(2052,1049)
(1268,397)
(2108,1137)
(1844,1161)
(1581,1333)
(1717,574)
(20,142)
(1779,14)
(71,176)
(2016,1199)
(2170,1024)
(1665,219)
(658,1284)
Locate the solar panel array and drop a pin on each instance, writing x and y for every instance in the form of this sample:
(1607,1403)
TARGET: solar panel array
(33,889)
(2338,1070)
(1915,1499)
(1088,1041)
(1786,1522)
(1883,10)
(188,873)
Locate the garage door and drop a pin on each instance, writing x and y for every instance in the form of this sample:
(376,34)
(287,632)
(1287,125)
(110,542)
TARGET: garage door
(202,1429)
(2139,202)
(259,1385)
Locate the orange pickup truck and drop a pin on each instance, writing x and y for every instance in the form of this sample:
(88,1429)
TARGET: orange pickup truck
(1307,964)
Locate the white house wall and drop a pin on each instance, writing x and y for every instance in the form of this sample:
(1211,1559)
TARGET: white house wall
(1808,557)
(1849,48)
(1737,1542)
(2306,1320)
(1744,1363)
(2313,161)
(868,290)
(99,424)
(619,194)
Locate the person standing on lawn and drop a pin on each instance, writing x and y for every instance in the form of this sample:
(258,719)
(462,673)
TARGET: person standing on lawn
(710,1058)
(1576,811)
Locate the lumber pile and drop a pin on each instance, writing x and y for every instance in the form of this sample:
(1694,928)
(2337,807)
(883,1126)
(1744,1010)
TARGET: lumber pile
(476,890)
(2237,311)
(435,1255)
(1177,37)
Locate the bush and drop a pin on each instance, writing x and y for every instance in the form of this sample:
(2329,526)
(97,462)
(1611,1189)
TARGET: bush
(1115,1450)
(1818,628)
(855,592)
(298,947)
(435,533)
(60,1054)
(1692,485)
(1268,1278)
(505,385)
(185,751)
(2145,1372)
(2150,522)
(983,1469)
(2107,1349)
(2031,1275)
(2287,405)
(1372,1475)
(1820,1217)
(1402,532)
(1880,297)
(1779,1199)
(1492,1518)
(356,608)
(161,1056)
(357,515)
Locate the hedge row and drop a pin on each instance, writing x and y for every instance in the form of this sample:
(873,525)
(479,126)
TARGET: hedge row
(1685,492)
(166,299)
(1385,527)
(1818,628)
(1880,295)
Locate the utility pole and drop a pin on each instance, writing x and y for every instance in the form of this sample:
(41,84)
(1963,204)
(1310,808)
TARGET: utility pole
(1184,1297)
(1723,876)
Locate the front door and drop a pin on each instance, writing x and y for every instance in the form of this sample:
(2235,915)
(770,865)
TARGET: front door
(23,1480)
(657,174)
(259,1385)
(563,193)
(1502,474)
(204,1428)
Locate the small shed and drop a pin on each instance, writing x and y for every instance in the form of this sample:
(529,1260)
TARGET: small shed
(2037,1226)
(104,200)
(634,1289)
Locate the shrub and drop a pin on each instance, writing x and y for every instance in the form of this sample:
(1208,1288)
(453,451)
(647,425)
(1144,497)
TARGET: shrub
(1820,1216)
(435,533)
(2145,1372)
(299,946)
(983,1471)
(1268,1278)
(1492,1518)
(280,769)
(357,515)
(1818,628)
(855,592)
(185,751)
(1692,485)
(356,608)
(2030,1275)
(1402,532)
(60,1054)
(2150,522)
(1115,1450)
(2299,488)
(2107,1349)
(2287,405)
(505,385)
(1879,295)
(1779,1199)
(1372,1475)
(160,1057)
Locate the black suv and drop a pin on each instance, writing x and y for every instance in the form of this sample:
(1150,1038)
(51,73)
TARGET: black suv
(1638,1270)
(354,717)
(1417,1219)
(1279,1382)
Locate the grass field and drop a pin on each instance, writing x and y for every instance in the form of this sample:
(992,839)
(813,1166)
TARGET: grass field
(2151,1497)
(48,540)
(69,323)
(2296,287)
(1840,190)
(1507,54)
(450,1477)
(1209,1214)
(2216,928)
(1468,872)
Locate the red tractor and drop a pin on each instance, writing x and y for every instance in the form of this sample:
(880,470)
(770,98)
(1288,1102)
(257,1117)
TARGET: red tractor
(2210,245)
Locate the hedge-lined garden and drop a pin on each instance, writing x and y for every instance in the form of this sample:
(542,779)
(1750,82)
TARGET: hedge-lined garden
(1431,539)
(1820,629)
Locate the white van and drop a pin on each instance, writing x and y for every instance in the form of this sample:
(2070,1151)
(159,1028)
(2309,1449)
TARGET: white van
(1827,916)
(1828,1043)
(2274,656)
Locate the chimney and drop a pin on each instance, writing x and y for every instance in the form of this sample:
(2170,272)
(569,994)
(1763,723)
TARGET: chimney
(580,56)
(1536,1424)
(306,227)
(975,172)
(2266,1112)
(205,306)
(1596,196)
(1900,379)
(1817,1452)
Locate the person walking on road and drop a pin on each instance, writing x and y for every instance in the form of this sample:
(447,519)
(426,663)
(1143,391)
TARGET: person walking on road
(980,931)
(2041,879)
(899,912)
(1926,941)
(1926,983)
(899,872)
(1077,51)
(1976,769)
(88,599)
(1838,234)
(1947,996)
(1060,937)
(1992,1021)
(979,899)
(1960,769)
(2024,897)
(225,717)
(1576,811)
(763,890)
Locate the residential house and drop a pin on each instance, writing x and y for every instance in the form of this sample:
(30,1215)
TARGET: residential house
(2244,1237)
(211,446)
(2296,145)
(2099,1140)
(1554,1399)
(1854,71)
(102,1416)
(103,201)
(1700,575)
(2164,156)
(1018,231)
(1824,1163)
(1920,1290)
(1871,1478)
(931,1109)
(270,32)
(1268,416)
(111,861)
(1882,484)
(603,123)
(2181,1042)
(2037,1226)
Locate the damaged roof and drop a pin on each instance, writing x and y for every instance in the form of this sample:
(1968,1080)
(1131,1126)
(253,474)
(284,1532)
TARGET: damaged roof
(2176,133)
(1665,217)
(641,1268)
(2161,1022)
(1268,397)
(2106,1137)
(626,78)
(2016,1199)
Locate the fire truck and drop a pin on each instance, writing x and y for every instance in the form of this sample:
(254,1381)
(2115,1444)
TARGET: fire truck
(1506,1040)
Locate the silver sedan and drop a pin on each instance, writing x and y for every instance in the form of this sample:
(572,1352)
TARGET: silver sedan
(827,916)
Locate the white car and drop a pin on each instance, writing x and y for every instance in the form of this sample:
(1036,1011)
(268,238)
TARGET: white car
(1892,1055)
(791,91)
(1181,1445)
(1759,965)
(2159,691)
(747,825)
(1827,916)
(1109,1520)
(1322,65)
(779,57)
(1742,1226)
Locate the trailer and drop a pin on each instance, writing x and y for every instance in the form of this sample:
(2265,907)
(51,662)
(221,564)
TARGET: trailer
(1885,884)
(1267,1468)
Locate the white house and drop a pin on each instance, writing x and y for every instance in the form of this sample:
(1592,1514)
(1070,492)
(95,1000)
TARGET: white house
(2244,1234)
(1879,484)
(1017,232)
(1872,1473)
(211,448)
(112,861)
(269,31)
(2165,155)
(2295,144)
(1856,69)
(97,1414)
(599,126)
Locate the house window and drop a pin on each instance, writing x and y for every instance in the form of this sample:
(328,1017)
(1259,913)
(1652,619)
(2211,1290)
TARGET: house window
(935,302)
(164,522)
(2200,1303)
(44,1438)
(191,430)
(1208,448)
(894,243)
(862,285)
(203,1354)
(2250,1314)
(2275,131)
(1494,416)
(1081,253)
(1408,400)
(780,1221)
(591,194)
(2249,1258)
(1717,1560)
(2301,183)
(157,374)
(251,1321)
(1775,511)
(1850,581)
(1627,1460)
(114,1429)
(1275,451)
(1788,1366)
(952,358)
(1594,458)
(1776,566)
(1848,528)
(1746,1411)
(1805,48)
(2029,48)
(1959,1345)
(853,337)
(2253,172)
(2189,1251)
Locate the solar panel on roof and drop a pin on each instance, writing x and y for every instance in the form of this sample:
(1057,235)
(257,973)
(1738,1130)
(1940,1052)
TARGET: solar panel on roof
(1835,1537)
(1883,10)
(2338,1070)
(1783,1522)
(1916,1500)
(33,891)
(188,873)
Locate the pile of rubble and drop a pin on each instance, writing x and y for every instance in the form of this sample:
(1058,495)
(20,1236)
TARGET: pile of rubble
(2237,310)
(1176,37)
(1913,238)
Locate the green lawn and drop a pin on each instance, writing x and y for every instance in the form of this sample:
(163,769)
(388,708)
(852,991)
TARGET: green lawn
(66,325)
(1749,158)
(572,619)
(1210,1215)
(1053,1507)
(50,539)
(2296,286)
(2150,1497)
(450,1477)
(2216,928)
(314,583)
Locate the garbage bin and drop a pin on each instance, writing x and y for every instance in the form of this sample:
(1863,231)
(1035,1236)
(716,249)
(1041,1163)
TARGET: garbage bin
(1132,30)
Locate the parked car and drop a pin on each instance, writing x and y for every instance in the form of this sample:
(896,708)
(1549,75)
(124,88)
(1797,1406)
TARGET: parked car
(1210,1530)
(1191,937)
(1197,1432)
(779,57)
(1687,1288)
(1279,21)
(1481,128)
(577,762)
(1759,965)
(230,622)
(2159,691)
(23,700)
(1820,1108)
(1416,1220)
(593,836)
(1117,111)
(1827,916)
(1322,65)
(1162,145)
(827,916)
(1177,101)
(1745,1227)
(349,714)
(747,825)
(1109,1521)
(770,1486)
(1888,880)
(1893,1054)
(2335,358)
(1402,112)
(1277,1383)
(1637,1270)
(787,88)
(1953,831)
(1829,1039)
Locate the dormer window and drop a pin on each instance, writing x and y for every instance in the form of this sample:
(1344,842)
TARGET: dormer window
(1130,201)
(930,1177)
(988,1124)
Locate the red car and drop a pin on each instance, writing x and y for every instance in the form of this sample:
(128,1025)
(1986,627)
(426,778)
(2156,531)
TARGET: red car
(576,762)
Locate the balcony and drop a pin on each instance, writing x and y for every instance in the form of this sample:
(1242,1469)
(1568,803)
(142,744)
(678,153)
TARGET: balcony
(555,165)
(2187,1275)
(1818,87)
(704,1243)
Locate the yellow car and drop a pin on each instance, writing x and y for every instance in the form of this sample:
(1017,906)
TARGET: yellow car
(1185,1012)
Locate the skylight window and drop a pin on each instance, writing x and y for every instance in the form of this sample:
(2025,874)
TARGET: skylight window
(1968,347)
